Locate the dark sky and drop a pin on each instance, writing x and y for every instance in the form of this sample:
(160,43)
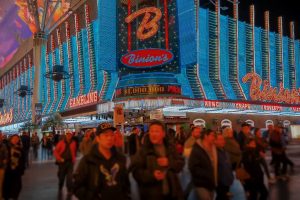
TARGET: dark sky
(288,9)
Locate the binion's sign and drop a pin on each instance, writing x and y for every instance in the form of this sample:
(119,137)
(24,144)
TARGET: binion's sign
(147,58)
(262,91)
(146,29)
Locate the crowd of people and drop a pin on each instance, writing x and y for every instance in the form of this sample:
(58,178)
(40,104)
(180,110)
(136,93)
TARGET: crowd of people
(156,160)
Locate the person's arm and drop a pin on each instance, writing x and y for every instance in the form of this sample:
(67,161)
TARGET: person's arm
(80,179)
(57,151)
(139,169)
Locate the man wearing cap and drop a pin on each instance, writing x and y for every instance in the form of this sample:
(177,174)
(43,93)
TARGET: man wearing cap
(65,154)
(102,173)
(244,135)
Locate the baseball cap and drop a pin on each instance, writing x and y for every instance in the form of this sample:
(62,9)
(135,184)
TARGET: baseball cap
(103,127)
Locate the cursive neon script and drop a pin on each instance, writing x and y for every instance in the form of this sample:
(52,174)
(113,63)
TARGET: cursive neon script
(269,93)
(148,27)
(135,59)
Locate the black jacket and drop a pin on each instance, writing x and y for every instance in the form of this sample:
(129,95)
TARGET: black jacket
(97,178)
(201,168)
(251,161)
(144,164)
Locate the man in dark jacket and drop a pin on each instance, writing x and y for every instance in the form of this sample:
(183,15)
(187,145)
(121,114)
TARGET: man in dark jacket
(102,173)
(203,165)
(244,135)
(156,165)
(225,175)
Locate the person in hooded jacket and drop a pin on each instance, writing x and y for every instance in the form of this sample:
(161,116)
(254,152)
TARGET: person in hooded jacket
(15,168)
(102,173)
(156,165)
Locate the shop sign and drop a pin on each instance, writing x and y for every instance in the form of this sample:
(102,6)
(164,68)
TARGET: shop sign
(212,104)
(148,90)
(147,58)
(6,117)
(156,115)
(242,106)
(272,108)
(83,100)
(269,93)
(296,109)
(119,114)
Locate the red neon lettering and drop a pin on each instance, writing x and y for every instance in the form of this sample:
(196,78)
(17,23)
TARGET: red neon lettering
(148,26)
(269,93)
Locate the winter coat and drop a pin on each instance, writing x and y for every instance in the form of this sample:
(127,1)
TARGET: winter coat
(14,171)
(60,148)
(233,148)
(201,168)
(144,163)
(225,175)
(97,178)
(251,161)
(3,155)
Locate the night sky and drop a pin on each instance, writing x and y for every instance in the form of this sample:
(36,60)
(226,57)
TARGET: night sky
(288,9)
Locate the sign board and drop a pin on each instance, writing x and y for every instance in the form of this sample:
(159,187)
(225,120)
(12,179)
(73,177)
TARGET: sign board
(148,90)
(83,100)
(6,117)
(156,115)
(119,114)
(38,113)
(147,58)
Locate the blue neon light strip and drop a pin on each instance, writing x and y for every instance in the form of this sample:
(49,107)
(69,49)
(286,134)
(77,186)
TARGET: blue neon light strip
(286,73)
(272,60)
(258,51)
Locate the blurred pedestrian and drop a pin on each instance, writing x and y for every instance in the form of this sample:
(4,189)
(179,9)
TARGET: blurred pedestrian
(65,154)
(3,162)
(87,143)
(35,142)
(14,170)
(203,165)
(25,139)
(156,165)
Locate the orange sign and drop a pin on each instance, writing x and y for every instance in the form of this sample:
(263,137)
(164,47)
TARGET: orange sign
(269,93)
(149,24)
(6,117)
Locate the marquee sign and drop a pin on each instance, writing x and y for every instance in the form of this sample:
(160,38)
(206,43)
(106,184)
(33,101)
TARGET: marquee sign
(83,100)
(6,117)
(148,90)
(269,93)
(147,58)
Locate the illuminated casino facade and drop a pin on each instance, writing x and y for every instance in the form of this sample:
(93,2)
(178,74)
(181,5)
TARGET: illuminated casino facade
(160,53)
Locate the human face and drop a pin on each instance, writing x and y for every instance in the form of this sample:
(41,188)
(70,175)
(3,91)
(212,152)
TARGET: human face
(258,134)
(210,138)
(220,141)
(106,139)
(196,132)
(15,140)
(68,136)
(270,127)
(156,134)
(246,129)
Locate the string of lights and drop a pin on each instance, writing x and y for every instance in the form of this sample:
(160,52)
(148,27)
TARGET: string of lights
(291,50)
(91,47)
(55,95)
(70,60)
(80,55)
(61,60)
(279,53)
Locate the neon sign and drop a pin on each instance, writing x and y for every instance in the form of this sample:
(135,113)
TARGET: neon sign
(147,58)
(149,24)
(82,100)
(148,90)
(268,93)
(272,108)
(243,106)
(212,104)
(6,117)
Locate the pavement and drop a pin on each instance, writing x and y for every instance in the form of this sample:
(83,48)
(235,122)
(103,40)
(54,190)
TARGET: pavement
(40,181)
